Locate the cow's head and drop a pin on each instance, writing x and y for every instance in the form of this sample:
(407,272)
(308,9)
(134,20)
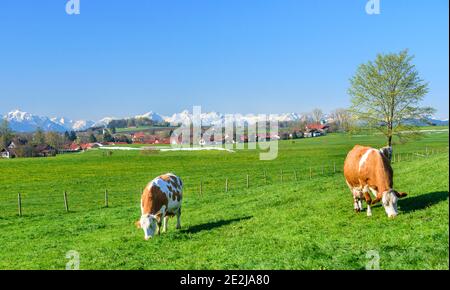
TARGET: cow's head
(389,200)
(148,223)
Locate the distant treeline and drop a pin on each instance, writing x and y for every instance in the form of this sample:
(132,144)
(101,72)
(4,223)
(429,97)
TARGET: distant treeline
(135,122)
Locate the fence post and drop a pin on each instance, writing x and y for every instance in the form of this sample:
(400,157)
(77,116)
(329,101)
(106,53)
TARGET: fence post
(19,201)
(265,177)
(66,202)
(201,188)
(248,181)
(106,198)
(295,175)
(281,175)
(334,166)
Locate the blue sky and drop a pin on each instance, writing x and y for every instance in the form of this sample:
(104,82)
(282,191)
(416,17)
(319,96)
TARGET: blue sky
(120,58)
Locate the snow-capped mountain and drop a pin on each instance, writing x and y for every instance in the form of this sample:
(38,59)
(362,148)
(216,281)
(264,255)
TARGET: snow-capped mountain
(207,119)
(81,125)
(155,117)
(289,117)
(212,118)
(25,122)
(181,117)
(103,122)
(69,124)
(20,121)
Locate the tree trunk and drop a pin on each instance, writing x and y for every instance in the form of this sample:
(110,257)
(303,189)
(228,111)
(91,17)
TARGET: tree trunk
(390,126)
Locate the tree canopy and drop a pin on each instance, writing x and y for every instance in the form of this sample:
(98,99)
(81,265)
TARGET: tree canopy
(386,94)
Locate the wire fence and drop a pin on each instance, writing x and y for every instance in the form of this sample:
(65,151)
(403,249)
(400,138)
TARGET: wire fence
(27,204)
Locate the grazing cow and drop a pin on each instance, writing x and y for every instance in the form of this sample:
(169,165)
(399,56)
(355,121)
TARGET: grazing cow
(369,170)
(160,199)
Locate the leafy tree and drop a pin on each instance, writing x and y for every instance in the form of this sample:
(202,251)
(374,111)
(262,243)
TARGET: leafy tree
(342,119)
(5,134)
(107,136)
(25,150)
(92,138)
(39,137)
(55,140)
(72,136)
(317,115)
(122,138)
(386,94)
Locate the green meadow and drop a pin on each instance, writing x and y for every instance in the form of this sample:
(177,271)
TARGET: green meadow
(295,213)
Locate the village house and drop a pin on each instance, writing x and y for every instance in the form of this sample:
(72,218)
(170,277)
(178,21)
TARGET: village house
(316,129)
(73,147)
(323,128)
(8,153)
(144,138)
(138,137)
(87,146)
(44,150)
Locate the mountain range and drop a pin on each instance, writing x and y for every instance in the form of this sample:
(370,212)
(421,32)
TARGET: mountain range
(20,121)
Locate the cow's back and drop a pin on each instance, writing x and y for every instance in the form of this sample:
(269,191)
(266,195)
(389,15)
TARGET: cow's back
(351,164)
(163,191)
(366,166)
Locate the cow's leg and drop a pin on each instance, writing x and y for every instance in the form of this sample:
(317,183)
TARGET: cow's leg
(179,218)
(368,202)
(357,195)
(355,204)
(364,194)
(161,218)
(165,222)
(159,226)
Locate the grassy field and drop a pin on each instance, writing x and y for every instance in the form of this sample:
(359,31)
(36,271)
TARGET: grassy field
(278,223)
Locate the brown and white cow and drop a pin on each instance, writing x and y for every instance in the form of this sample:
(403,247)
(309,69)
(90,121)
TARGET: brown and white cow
(160,199)
(368,170)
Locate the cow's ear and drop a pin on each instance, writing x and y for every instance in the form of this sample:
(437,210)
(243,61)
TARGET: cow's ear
(138,224)
(400,194)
